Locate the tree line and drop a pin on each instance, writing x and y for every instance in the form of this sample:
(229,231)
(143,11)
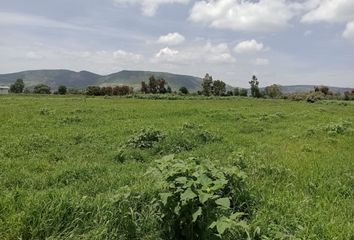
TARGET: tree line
(209,87)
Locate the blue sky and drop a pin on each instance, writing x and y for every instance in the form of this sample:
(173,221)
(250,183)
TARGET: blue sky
(286,42)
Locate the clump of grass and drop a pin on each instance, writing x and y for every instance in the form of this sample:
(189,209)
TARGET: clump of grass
(71,120)
(188,137)
(338,128)
(46,111)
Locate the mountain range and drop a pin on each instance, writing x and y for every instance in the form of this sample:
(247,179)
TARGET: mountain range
(82,79)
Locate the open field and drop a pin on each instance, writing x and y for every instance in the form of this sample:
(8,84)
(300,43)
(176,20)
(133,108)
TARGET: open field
(65,166)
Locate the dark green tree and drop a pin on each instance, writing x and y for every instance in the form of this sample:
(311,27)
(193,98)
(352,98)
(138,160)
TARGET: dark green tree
(144,87)
(153,84)
(219,88)
(236,92)
(62,90)
(41,89)
(169,89)
(183,90)
(93,91)
(243,92)
(17,87)
(255,92)
(161,86)
(207,85)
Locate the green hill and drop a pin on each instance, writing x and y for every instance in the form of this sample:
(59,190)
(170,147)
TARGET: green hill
(52,78)
(134,78)
(81,80)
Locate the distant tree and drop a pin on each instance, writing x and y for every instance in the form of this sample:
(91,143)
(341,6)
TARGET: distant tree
(236,92)
(17,87)
(153,84)
(27,90)
(255,92)
(122,90)
(41,89)
(243,92)
(207,85)
(219,88)
(183,90)
(169,89)
(93,91)
(229,93)
(161,86)
(323,89)
(62,90)
(106,91)
(144,87)
(273,91)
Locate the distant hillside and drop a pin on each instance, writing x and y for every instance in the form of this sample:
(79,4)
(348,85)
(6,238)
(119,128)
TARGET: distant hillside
(52,78)
(134,78)
(71,79)
(308,88)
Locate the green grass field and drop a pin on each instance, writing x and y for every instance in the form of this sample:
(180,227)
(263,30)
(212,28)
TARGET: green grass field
(61,176)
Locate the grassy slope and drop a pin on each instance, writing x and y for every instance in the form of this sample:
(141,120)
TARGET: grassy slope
(59,179)
(135,78)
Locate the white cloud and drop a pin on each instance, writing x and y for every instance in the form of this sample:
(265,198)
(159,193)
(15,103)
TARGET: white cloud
(250,46)
(349,31)
(261,61)
(33,55)
(207,53)
(127,56)
(167,54)
(243,15)
(27,20)
(171,39)
(330,11)
(149,7)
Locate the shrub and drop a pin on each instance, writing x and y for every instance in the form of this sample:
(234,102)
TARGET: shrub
(17,87)
(186,138)
(183,90)
(243,92)
(201,201)
(41,89)
(338,128)
(314,97)
(62,90)
(93,91)
(146,138)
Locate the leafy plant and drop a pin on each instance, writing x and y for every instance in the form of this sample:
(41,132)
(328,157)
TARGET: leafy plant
(338,128)
(146,138)
(201,201)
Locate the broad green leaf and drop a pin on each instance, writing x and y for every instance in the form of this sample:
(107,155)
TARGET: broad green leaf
(223,224)
(203,197)
(197,214)
(164,197)
(188,195)
(236,215)
(224,202)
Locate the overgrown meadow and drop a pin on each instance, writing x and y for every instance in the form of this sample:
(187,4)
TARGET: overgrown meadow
(77,167)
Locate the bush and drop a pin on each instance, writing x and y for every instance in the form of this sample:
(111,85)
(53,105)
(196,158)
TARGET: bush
(62,90)
(146,138)
(186,138)
(338,128)
(183,90)
(17,87)
(201,201)
(93,91)
(41,89)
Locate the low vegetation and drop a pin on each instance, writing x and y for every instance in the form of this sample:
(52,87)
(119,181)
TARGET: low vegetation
(211,167)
